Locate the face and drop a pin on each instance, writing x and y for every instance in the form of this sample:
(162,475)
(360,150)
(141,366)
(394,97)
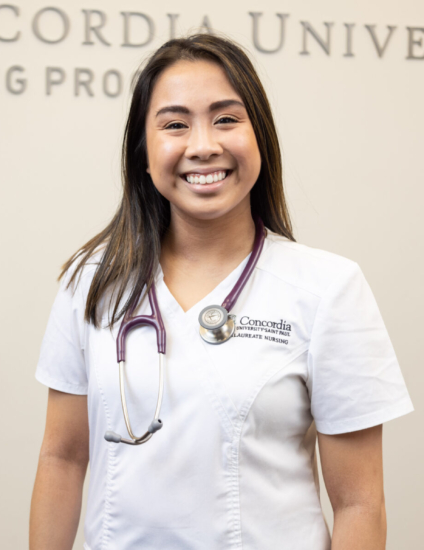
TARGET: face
(202,150)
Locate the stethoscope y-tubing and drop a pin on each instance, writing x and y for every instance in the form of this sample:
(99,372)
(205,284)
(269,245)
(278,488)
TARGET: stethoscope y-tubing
(155,320)
(128,323)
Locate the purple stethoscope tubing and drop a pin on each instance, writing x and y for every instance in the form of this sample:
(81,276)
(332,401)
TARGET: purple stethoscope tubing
(155,320)
(258,244)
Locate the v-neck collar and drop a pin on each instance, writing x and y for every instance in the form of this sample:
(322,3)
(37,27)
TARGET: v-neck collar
(215,297)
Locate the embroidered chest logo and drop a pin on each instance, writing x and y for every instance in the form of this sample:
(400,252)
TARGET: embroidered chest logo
(260,329)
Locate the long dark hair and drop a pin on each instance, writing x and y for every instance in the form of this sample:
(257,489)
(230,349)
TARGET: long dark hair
(131,242)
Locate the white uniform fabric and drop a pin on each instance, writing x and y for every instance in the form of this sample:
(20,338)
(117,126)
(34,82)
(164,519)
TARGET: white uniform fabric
(234,465)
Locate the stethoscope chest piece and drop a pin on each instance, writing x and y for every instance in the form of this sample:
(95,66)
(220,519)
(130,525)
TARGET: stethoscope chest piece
(216,324)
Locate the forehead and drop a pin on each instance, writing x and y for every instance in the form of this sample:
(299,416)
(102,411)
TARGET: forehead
(195,83)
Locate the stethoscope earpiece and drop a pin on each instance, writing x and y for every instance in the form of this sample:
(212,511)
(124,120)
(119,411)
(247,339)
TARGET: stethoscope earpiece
(112,437)
(155,425)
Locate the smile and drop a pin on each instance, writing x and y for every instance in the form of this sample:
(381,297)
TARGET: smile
(204,179)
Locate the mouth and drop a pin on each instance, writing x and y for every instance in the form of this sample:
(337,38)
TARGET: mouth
(206,179)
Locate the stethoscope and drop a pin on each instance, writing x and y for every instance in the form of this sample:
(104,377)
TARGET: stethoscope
(216,326)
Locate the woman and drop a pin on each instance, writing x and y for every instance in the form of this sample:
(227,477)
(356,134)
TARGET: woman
(234,465)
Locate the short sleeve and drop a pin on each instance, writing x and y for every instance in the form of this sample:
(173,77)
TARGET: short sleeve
(61,363)
(355,381)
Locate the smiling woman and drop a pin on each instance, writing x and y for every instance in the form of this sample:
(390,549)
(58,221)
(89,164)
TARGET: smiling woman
(198,107)
(303,351)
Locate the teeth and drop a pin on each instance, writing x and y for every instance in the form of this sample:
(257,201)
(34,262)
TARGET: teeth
(209,178)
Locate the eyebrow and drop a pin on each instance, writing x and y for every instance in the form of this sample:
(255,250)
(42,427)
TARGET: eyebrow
(212,107)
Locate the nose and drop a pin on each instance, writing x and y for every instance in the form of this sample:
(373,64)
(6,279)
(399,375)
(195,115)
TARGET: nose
(203,142)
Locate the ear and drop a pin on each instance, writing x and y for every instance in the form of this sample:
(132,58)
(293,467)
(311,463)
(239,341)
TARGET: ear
(148,170)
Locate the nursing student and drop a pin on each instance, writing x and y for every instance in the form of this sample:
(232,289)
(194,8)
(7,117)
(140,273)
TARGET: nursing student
(200,425)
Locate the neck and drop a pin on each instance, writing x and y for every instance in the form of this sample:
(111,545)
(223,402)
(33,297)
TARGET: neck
(206,242)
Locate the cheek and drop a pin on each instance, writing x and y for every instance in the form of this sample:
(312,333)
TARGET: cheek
(167,147)
(163,156)
(245,148)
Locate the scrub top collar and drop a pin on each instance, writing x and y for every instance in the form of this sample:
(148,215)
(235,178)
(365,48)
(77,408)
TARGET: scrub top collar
(169,304)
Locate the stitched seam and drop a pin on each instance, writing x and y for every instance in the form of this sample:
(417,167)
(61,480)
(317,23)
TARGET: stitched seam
(297,251)
(318,311)
(287,282)
(265,378)
(43,378)
(392,407)
(236,537)
(111,461)
(308,250)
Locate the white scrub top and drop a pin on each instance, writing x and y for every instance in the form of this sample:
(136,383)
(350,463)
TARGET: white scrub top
(234,465)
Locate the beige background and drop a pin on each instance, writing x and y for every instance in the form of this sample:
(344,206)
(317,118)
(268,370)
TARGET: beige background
(351,134)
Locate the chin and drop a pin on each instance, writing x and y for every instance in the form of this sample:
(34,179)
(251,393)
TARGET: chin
(209,214)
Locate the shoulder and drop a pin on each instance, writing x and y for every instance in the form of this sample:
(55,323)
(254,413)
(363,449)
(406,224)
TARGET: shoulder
(304,267)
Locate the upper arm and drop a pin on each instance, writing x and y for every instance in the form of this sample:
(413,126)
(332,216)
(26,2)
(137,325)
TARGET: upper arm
(352,467)
(66,434)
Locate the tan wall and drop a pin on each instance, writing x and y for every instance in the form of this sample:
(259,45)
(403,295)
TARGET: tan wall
(351,135)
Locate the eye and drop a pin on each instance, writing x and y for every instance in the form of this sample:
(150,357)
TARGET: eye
(230,119)
(173,126)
